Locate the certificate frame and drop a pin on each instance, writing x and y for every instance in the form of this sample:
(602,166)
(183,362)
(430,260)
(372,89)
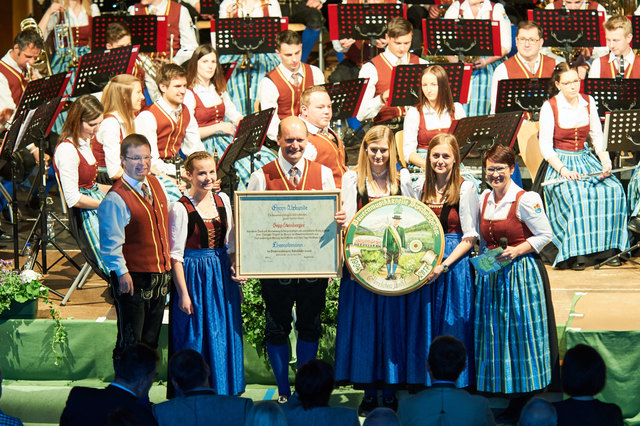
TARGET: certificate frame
(275,234)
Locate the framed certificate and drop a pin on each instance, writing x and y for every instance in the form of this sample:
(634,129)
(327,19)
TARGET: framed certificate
(287,234)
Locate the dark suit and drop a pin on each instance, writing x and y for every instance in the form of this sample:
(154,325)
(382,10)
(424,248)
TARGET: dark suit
(586,413)
(89,406)
(203,407)
(460,408)
(318,416)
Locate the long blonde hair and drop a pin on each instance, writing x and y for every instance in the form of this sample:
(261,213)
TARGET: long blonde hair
(452,189)
(116,97)
(378,134)
(86,5)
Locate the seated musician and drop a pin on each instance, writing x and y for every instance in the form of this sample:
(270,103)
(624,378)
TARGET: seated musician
(621,61)
(528,62)
(378,71)
(282,87)
(170,128)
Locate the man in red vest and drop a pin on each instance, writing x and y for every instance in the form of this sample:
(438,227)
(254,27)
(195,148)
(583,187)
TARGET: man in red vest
(528,62)
(290,172)
(134,243)
(282,87)
(621,61)
(379,69)
(325,146)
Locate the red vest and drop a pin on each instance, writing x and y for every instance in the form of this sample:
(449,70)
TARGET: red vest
(330,154)
(513,228)
(559,4)
(87,173)
(610,69)
(17,81)
(384,69)
(205,233)
(569,139)
(97,148)
(453,217)
(424,135)
(81,35)
(276,179)
(173,23)
(170,133)
(206,116)
(289,96)
(146,236)
(516,69)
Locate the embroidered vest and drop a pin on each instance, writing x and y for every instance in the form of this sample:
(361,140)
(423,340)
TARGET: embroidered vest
(87,173)
(277,180)
(512,228)
(205,233)
(206,116)
(98,149)
(289,96)
(424,135)
(384,69)
(170,133)
(17,81)
(610,69)
(173,24)
(517,69)
(330,154)
(572,139)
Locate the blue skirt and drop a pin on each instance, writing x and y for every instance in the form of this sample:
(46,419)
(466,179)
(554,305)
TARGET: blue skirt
(215,328)
(90,227)
(480,91)
(511,337)
(586,216)
(371,336)
(171,188)
(445,307)
(634,193)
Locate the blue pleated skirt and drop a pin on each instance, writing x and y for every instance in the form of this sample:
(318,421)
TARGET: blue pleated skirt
(511,337)
(586,216)
(371,336)
(634,193)
(480,91)
(170,187)
(445,307)
(90,226)
(215,328)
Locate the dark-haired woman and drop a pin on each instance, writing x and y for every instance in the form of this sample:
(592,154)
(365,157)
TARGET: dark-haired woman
(444,306)
(588,217)
(206,313)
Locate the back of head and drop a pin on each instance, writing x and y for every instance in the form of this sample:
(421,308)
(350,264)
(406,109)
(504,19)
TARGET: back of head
(314,383)
(188,370)
(115,31)
(538,412)
(583,371)
(266,413)
(447,358)
(382,416)
(137,362)
(398,27)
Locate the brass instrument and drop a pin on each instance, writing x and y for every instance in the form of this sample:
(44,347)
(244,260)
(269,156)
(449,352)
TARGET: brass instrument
(63,38)
(149,66)
(42,61)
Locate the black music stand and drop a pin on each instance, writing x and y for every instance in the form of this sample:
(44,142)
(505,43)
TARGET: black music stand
(635,30)
(208,7)
(227,69)
(249,138)
(613,94)
(486,131)
(567,29)
(346,97)
(44,89)
(405,82)
(522,94)
(147,31)
(247,36)
(97,68)
(113,6)
(461,37)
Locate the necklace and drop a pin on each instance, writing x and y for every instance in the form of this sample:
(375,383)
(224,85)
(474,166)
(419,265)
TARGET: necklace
(380,174)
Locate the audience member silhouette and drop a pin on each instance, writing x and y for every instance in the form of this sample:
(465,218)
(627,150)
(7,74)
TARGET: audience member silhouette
(538,412)
(266,413)
(382,416)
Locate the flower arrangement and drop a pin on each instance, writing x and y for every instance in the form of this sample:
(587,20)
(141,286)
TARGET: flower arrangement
(24,286)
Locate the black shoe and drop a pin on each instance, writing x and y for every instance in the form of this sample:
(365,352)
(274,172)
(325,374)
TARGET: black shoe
(282,399)
(615,262)
(368,404)
(578,266)
(390,402)
(388,277)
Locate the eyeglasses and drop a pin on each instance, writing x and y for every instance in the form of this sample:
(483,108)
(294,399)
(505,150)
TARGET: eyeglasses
(139,158)
(527,40)
(570,83)
(500,169)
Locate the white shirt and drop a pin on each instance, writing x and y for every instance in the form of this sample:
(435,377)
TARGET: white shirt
(268,93)
(257,182)
(349,192)
(468,208)
(79,20)
(530,211)
(227,8)
(372,104)
(6,100)
(179,221)
(431,120)
(570,118)
(210,97)
(67,163)
(499,14)
(145,124)
(110,135)
(629,59)
(188,41)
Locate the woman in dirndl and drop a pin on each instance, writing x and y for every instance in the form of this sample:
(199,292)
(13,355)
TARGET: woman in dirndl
(209,102)
(205,315)
(77,170)
(444,305)
(588,216)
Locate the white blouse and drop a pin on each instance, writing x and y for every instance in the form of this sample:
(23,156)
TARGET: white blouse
(110,135)
(80,20)
(67,162)
(179,223)
(485,12)
(228,6)
(210,97)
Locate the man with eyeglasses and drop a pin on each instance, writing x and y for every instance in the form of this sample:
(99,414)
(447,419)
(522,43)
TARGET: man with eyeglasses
(134,243)
(621,61)
(528,62)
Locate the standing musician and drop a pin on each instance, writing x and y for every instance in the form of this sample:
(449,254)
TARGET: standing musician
(282,87)
(621,61)
(291,172)
(181,37)
(588,217)
(316,112)
(378,71)
(528,62)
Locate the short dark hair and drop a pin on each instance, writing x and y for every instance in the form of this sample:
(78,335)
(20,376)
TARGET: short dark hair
(27,37)
(529,25)
(314,383)
(447,358)
(288,37)
(584,372)
(538,412)
(133,140)
(168,72)
(188,369)
(117,30)
(398,27)
(499,153)
(136,362)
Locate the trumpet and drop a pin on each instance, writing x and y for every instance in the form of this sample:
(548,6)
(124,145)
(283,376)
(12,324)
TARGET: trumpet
(42,61)
(63,39)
